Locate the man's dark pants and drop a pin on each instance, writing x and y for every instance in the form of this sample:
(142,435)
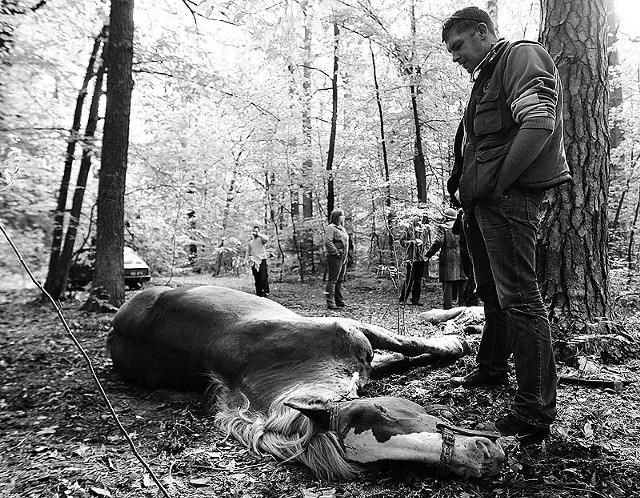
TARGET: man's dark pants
(501,236)
(261,277)
(413,281)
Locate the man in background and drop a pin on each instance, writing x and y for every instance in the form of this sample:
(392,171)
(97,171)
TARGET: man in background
(256,256)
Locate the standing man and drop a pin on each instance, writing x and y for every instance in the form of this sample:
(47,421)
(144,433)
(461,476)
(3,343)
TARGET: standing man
(256,256)
(513,151)
(415,241)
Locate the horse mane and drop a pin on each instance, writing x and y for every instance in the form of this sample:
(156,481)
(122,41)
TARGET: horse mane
(283,432)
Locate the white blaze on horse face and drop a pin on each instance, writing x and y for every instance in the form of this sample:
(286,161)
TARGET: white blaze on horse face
(472,456)
(364,447)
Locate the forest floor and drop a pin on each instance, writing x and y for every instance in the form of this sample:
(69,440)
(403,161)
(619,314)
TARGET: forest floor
(58,438)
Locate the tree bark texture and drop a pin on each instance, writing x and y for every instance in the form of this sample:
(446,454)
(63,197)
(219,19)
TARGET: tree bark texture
(573,259)
(109,274)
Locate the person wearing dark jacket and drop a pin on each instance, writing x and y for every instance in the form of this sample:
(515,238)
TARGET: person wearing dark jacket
(512,150)
(414,241)
(450,272)
(337,245)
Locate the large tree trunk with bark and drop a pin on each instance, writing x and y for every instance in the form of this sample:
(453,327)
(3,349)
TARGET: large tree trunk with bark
(109,276)
(573,259)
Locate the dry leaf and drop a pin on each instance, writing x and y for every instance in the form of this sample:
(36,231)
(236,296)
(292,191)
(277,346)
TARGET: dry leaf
(199,482)
(100,491)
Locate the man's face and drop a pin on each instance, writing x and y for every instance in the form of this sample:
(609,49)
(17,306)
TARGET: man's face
(255,232)
(468,48)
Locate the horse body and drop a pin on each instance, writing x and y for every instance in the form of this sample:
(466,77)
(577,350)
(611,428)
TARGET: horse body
(286,384)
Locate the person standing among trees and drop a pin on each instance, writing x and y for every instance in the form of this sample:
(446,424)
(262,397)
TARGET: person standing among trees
(513,151)
(256,256)
(450,271)
(337,245)
(415,239)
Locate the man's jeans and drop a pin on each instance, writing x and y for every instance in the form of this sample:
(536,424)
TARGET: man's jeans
(501,235)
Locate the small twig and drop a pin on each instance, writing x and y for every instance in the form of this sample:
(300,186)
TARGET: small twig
(88,361)
(604,383)
(242,468)
(171,469)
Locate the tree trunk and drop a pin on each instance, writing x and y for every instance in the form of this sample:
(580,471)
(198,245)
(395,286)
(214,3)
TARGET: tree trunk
(78,197)
(231,191)
(385,158)
(418,156)
(615,99)
(334,121)
(492,10)
(307,163)
(56,279)
(109,275)
(573,258)
(383,139)
(631,260)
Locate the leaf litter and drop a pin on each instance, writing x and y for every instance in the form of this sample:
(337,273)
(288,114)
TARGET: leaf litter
(58,440)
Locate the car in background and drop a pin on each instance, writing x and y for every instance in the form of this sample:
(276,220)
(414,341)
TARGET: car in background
(136,271)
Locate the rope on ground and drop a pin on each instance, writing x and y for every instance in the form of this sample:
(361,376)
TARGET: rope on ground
(89,364)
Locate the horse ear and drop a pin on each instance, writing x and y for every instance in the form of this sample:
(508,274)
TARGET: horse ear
(316,409)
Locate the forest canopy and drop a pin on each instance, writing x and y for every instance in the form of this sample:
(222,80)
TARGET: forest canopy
(231,120)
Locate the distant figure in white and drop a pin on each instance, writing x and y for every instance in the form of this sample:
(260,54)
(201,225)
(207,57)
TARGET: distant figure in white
(256,256)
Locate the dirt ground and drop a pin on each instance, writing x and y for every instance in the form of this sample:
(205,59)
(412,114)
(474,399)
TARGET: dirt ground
(58,438)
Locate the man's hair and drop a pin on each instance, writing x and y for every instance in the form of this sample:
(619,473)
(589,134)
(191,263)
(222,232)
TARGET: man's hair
(465,19)
(256,226)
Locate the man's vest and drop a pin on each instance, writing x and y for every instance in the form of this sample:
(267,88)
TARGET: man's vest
(490,132)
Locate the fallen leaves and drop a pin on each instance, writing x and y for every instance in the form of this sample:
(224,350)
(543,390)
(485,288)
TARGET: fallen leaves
(57,439)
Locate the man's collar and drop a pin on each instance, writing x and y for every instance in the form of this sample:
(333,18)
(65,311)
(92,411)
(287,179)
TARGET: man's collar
(495,50)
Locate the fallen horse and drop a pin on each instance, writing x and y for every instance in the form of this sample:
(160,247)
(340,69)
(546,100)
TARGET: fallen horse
(285,384)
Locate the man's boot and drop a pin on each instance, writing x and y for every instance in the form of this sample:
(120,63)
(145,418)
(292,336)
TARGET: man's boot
(329,295)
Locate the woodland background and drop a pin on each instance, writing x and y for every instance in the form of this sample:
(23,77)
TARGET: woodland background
(231,125)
